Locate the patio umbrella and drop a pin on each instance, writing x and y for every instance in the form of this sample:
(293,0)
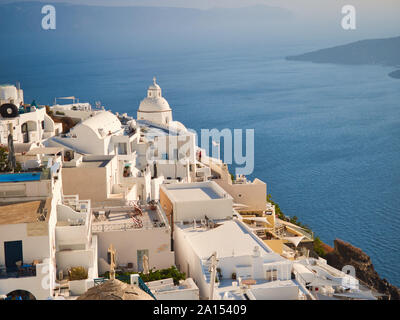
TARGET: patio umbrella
(11,152)
(115,290)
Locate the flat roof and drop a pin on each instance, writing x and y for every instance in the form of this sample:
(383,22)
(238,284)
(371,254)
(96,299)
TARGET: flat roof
(193,193)
(94,163)
(23,212)
(227,238)
(123,215)
(44,150)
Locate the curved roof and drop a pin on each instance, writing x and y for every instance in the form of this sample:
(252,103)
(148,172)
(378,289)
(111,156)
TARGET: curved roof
(154,102)
(178,126)
(158,104)
(101,123)
(115,290)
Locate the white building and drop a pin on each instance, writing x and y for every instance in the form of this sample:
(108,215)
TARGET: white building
(96,135)
(76,110)
(166,289)
(247,268)
(134,231)
(42,232)
(195,201)
(28,124)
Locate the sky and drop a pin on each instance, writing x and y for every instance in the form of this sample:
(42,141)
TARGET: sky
(297,5)
(316,21)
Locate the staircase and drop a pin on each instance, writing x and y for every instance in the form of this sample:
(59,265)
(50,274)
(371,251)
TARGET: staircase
(205,265)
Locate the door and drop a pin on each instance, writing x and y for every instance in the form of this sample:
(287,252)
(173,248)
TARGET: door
(12,253)
(25,132)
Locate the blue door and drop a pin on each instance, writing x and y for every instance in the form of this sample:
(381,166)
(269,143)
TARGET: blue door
(12,253)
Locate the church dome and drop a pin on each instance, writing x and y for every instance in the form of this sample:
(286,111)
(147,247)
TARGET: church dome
(154,102)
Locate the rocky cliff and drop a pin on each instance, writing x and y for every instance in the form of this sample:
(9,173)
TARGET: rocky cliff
(346,254)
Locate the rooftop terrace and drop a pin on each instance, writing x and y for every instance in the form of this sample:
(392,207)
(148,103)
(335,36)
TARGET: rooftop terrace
(24,212)
(127,217)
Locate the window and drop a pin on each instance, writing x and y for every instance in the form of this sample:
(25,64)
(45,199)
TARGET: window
(272,275)
(122,149)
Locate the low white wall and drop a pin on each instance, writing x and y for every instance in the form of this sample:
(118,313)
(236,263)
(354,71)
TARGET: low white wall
(214,209)
(79,287)
(276,293)
(40,286)
(126,244)
(74,258)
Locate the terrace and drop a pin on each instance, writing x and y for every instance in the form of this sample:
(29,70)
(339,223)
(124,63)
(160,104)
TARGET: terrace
(20,271)
(129,217)
(73,221)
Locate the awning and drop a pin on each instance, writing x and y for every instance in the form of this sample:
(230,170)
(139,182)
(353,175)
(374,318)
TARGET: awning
(294,240)
(258,219)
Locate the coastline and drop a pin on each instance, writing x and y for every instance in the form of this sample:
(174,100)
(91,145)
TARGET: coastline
(344,253)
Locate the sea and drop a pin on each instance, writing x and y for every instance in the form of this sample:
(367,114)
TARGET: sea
(327,137)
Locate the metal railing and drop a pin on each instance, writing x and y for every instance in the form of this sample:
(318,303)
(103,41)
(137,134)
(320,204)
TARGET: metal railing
(22,272)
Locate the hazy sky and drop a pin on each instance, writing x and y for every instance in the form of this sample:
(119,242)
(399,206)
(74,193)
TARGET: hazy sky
(297,5)
(375,18)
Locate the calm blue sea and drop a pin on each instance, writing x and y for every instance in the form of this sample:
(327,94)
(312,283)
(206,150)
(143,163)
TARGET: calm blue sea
(327,136)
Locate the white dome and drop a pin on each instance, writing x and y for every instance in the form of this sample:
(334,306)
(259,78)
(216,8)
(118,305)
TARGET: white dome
(154,102)
(157,104)
(178,126)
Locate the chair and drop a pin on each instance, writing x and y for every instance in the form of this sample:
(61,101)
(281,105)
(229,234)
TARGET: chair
(107,214)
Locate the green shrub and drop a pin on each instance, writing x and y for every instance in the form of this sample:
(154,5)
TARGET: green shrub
(153,275)
(171,272)
(78,273)
(318,248)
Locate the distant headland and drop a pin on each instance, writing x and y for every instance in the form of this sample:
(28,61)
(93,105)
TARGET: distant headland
(384,52)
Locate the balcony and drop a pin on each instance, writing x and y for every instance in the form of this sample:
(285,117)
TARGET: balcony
(25,270)
(28,277)
(73,221)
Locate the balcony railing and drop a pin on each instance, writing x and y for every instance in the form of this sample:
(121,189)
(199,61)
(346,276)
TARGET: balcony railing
(21,272)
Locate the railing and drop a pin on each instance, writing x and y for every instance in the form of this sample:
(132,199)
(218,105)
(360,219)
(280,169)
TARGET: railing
(145,288)
(106,226)
(303,283)
(24,271)
(99,281)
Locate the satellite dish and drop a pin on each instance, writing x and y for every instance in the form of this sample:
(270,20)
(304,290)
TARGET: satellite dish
(8,110)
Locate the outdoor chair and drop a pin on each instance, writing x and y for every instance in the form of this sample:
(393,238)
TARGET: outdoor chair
(107,214)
